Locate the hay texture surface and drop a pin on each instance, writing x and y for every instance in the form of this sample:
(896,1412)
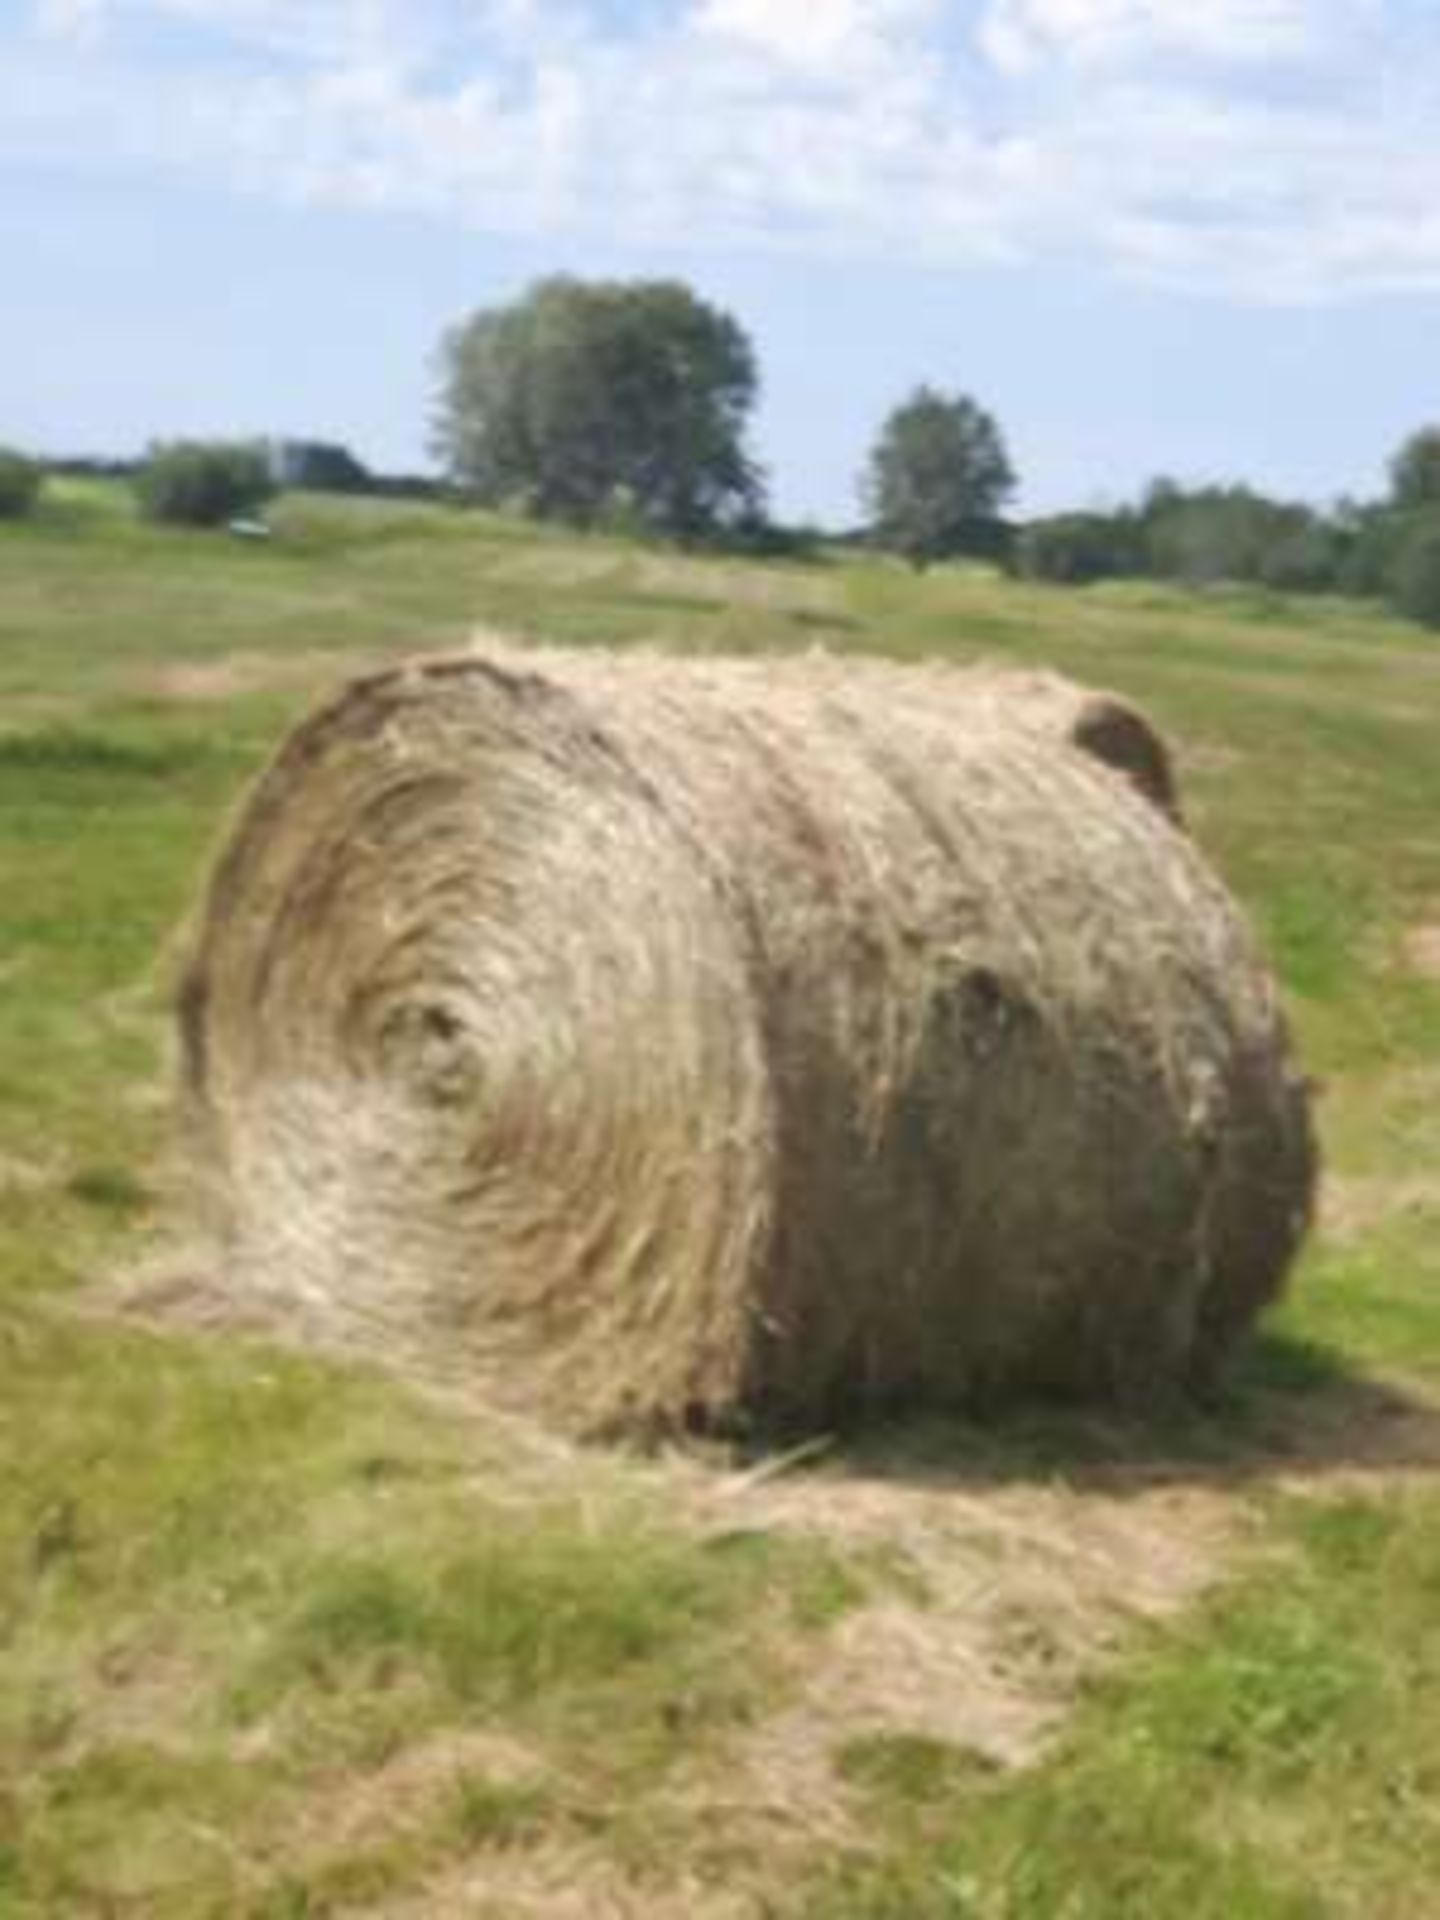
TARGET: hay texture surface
(659,1042)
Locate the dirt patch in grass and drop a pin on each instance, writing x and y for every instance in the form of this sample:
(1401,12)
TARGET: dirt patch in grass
(20,1173)
(404,1793)
(769,589)
(999,1597)
(1196,758)
(231,675)
(564,1883)
(1422,951)
(1354,1205)
(143,1693)
(994,1603)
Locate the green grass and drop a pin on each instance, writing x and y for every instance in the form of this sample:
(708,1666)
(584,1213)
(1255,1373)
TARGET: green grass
(239,1590)
(231,1582)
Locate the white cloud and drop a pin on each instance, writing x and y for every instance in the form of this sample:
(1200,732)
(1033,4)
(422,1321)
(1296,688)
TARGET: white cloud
(78,22)
(1019,34)
(1131,134)
(823,38)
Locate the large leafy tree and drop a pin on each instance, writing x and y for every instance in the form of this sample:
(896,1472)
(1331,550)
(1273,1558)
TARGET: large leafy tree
(587,399)
(938,477)
(1415,470)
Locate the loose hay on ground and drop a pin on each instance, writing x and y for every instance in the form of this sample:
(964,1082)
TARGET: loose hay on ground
(660,1042)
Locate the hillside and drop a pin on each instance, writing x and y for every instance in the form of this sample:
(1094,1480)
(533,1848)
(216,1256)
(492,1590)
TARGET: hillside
(283,1639)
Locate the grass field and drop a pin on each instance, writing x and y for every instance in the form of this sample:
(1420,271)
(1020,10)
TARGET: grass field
(281,1640)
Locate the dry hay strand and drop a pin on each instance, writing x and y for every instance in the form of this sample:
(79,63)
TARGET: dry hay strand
(660,1043)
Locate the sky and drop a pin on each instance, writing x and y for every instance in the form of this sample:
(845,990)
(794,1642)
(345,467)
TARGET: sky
(1197,237)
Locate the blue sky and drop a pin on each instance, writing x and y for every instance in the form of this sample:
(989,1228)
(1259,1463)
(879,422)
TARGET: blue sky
(1192,236)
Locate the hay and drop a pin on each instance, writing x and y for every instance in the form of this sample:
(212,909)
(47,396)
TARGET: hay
(1100,724)
(662,1043)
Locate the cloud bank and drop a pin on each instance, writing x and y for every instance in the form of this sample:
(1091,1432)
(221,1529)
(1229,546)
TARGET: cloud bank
(1275,150)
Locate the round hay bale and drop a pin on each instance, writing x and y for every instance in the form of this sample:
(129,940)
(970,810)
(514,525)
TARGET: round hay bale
(665,1043)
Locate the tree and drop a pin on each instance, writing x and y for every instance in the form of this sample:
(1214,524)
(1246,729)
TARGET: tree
(20,483)
(1205,535)
(937,479)
(1371,537)
(1415,471)
(197,483)
(603,400)
(320,466)
(1415,575)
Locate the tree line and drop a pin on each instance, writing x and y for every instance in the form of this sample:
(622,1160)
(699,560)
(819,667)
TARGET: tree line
(626,405)
(1387,548)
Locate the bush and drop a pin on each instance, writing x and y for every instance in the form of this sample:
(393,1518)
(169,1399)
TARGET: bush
(761,538)
(193,483)
(20,483)
(1073,549)
(1415,577)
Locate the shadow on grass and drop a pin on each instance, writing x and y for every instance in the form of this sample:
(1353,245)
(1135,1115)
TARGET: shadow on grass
(1296,1411)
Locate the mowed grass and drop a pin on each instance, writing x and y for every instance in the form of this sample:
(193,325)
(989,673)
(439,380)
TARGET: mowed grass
(278,1639)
